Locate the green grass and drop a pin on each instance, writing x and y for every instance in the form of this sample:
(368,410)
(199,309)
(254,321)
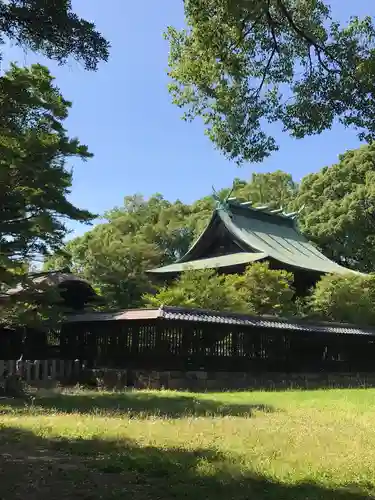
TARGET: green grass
(169,445)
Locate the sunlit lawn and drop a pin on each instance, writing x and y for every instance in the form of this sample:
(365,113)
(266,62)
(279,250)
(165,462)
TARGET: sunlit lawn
(166,445)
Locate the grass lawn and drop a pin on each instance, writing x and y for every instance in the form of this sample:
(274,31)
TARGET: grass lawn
(170,445)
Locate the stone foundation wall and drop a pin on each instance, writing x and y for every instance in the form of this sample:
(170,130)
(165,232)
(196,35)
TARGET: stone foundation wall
(221,381)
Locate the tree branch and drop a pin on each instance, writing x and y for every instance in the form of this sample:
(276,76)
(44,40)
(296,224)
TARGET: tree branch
(272,24)
(320,49)
(18,220)
(265,71)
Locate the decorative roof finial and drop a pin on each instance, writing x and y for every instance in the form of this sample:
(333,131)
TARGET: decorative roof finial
(220,204)
(228,197)
(290,215)
(223,203)
(215,194)
(262,208)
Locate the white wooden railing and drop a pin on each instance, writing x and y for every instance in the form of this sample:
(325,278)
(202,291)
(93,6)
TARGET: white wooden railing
(39,371)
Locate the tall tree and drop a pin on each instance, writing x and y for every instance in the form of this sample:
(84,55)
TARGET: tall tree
(114,256)
(34,181)
(275,189)
(350,299)
(241,63)
(53,29)
(339,208)
(144,234)
(265,290)
(115,264)
(157,221)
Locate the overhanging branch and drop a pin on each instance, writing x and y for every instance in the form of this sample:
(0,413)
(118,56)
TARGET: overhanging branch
(311,42)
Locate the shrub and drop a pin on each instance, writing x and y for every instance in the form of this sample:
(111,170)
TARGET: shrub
(259,290)
(204,289)
(349,298)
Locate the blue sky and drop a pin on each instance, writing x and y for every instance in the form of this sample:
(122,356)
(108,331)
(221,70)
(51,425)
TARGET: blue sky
(124,114)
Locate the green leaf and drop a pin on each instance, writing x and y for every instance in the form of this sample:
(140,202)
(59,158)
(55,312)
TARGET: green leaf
(242,63)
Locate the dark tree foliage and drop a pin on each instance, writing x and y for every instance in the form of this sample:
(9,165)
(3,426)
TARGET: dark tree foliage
(34,181)
(144,234)
(52,28)
(338,209)
(35,148)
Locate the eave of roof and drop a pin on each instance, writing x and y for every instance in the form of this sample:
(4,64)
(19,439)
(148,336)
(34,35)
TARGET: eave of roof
(205,316)
(51,278)
(234,259)
(39,282)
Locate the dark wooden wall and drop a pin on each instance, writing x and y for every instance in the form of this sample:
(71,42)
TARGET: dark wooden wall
(32,344)
(171,345)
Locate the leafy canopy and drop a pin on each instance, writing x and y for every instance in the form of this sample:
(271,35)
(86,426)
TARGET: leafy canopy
(349,299)
(242,63)
(143,234)
(200,289)
(339,207)
(34,181)
(140,235)
(276,189)
(266,291)
(53,29)
(259,290)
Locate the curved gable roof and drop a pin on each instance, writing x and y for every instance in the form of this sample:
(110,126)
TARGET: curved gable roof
(278,238)
(264,233)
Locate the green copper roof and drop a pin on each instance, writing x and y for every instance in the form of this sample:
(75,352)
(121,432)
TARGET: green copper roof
(233,259)
(260,233)
(278,238)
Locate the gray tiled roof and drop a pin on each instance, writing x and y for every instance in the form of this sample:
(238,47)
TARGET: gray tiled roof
(261,322)
(203,316)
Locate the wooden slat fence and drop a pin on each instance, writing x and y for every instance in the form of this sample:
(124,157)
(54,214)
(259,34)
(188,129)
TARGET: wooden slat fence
(179,345)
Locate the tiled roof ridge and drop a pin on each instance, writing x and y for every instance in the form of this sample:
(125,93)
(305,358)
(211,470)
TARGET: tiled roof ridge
(165,310)
(63,270)
(279,212)
(174,313)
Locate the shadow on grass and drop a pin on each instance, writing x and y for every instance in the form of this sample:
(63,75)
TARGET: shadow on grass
(137,404)
(37,468)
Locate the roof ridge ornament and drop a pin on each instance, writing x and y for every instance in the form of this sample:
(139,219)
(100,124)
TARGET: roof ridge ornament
(294,215)
(223,204)
(228,197)
(290,215)
(262,208)
(219,203)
